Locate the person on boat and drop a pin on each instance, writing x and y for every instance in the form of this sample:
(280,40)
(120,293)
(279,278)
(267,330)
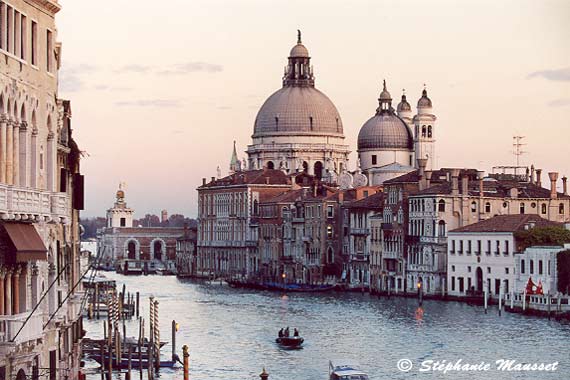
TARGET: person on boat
(281,333)
(287,332)
(296,332)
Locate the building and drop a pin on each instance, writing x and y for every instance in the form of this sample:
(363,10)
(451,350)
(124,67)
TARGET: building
(359,214)
(228,221)
(461,197)
(387,147)
(186,253)
(481,256)
(135,249)
(298,128)
(41,194)
(539,265)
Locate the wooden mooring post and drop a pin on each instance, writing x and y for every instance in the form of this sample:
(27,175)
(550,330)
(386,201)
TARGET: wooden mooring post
(185,355)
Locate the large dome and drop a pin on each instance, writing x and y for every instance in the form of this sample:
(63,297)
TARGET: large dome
(298,109)
(385,131)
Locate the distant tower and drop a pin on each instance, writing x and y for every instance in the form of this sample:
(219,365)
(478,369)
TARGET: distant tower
(120,215)
(164,216)
(235,164)
(424,131)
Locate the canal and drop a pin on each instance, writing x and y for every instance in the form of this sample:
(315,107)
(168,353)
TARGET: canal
(231,333)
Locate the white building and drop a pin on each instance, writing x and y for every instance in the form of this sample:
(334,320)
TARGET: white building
(539,264)
(298,128)
(482,255)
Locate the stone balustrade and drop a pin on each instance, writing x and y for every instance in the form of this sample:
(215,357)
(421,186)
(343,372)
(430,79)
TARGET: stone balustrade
(34,205)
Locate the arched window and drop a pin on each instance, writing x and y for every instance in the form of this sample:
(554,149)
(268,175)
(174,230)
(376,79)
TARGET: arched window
(424,131)
(158,248)
(255,207)
(270,165)
(473,206)
(441,228)
(521,208)
(488,207)
(441,205)
(543,208)
(561,208)
(429,131)
(319,169)
(531,270)
(522,266)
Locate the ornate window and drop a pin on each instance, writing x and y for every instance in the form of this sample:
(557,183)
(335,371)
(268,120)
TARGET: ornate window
(441,205)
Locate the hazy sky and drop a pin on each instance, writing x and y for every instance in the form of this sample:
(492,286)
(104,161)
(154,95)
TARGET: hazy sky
(160,90)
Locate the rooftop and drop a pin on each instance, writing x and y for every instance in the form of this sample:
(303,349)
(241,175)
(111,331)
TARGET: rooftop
(507,223)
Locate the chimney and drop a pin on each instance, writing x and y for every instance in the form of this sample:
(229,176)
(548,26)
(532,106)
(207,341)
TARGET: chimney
(204,181)
(538,180)
(564,185)
(267,180)
(553,177)
(213,179)
(454,181)
(428,178)
(422,162)
(480,176)
(531,173)
(464,185)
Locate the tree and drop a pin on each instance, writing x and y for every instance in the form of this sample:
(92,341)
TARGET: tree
(542,236)
(563,268)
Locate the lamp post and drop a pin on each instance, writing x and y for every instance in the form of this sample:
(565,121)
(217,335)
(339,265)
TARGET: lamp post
(420,293)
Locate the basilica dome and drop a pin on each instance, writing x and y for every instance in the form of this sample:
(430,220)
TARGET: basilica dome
(385,130)
(298,107)
(294,109)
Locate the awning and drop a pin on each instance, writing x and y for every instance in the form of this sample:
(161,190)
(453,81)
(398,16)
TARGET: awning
(26,241)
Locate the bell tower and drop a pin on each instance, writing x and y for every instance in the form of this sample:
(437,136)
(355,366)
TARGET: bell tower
(424,131)
(120,215)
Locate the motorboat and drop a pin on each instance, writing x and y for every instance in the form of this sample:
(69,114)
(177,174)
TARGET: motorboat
(290,341)
(346,371)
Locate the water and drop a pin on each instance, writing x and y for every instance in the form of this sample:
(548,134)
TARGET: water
(231,333)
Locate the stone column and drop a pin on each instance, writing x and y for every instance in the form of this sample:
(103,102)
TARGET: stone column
(34,157)
(50,162)
(16,291)
(8,293)
(3,122)
(16,151)
(24,154)
(2,275)
(9,153)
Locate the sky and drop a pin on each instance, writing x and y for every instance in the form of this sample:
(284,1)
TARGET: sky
(160,90)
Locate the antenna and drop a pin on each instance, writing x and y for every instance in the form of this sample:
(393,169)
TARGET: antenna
(517,145)
(518,152)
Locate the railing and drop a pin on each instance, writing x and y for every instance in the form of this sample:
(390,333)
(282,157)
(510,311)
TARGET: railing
(22,203)
(360,231)
(11,324)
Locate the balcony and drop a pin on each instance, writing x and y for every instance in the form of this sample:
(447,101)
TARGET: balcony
(359,257)
(360,231)
(11,324)
(34,205)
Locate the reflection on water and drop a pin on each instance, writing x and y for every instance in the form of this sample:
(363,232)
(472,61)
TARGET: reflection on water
(231,333)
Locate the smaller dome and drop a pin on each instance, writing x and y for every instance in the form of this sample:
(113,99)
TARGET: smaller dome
(299,51)
(385,131)
(424,101)
(404,106)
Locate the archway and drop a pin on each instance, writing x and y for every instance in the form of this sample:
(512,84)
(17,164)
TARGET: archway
(270,165)
(479,274)
(132,250)
(21,375)
(158,250)
(319,169)
(305,167)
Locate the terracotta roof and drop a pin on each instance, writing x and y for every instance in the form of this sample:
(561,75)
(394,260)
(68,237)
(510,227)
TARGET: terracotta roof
(372,202)
(507,223)
(250,177)
(494,189)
